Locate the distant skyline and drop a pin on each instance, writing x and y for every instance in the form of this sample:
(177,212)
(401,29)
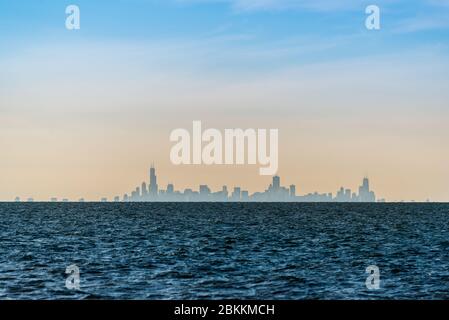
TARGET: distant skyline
(151,191)
(82,112)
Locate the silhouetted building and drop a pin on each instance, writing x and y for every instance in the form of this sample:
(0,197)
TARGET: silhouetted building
(365,195)
(153,182)
(144,190)
(236,194)
(292,190)
(276,183)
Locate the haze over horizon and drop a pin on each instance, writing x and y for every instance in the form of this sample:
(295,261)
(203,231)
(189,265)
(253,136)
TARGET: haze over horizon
(83,113)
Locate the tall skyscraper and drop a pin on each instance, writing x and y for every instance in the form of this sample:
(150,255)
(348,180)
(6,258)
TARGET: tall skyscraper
(153,182)
(276,183)
(365,184)
(365,195)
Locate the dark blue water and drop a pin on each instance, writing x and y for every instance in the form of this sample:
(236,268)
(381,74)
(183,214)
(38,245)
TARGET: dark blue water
(215,250)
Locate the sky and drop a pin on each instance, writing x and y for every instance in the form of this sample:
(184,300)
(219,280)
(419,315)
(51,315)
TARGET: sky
(83,113)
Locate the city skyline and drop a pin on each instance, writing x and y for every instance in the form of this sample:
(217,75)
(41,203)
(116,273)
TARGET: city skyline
(83,111)
(275,192)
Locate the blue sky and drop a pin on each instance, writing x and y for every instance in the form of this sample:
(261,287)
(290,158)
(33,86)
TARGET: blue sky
(241,24)
(347,101)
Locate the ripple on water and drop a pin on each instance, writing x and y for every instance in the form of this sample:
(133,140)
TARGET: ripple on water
(215,250)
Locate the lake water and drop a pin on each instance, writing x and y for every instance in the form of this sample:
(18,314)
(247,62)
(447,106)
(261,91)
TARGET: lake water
(224,250)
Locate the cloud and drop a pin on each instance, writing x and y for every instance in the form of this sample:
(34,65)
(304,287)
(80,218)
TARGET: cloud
(422,24)
(444,3)
(264,5)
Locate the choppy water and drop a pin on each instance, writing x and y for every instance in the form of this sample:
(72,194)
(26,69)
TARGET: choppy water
(215,250)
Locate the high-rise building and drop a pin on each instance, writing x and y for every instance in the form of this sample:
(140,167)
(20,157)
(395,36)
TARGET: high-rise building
(348,195)
(144,189)
(236,194)
(365,195)
(276,183)
(204,190)
(224,190)
(340,195)
(153,182)
(292,191)
(365,183)
(170,188)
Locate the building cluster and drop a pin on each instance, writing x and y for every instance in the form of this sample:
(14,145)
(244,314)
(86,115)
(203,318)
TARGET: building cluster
(274,193)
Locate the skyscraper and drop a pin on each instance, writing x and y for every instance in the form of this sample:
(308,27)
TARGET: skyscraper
(170,188)
(236,194)
(365,195)
(153,182)
(292,191)
(204,192)
(276,183)
(224,191)
(365,183)
(144,190)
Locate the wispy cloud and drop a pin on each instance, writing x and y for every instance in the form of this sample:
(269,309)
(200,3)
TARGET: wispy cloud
(444,3)
(252,5)
(423,23)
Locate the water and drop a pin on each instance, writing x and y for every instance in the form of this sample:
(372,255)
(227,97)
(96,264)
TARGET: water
(216,250)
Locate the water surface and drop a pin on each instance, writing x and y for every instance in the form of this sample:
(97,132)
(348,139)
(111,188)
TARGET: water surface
(224,250)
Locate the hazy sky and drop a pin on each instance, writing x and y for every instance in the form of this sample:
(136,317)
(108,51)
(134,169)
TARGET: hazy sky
(84,113)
